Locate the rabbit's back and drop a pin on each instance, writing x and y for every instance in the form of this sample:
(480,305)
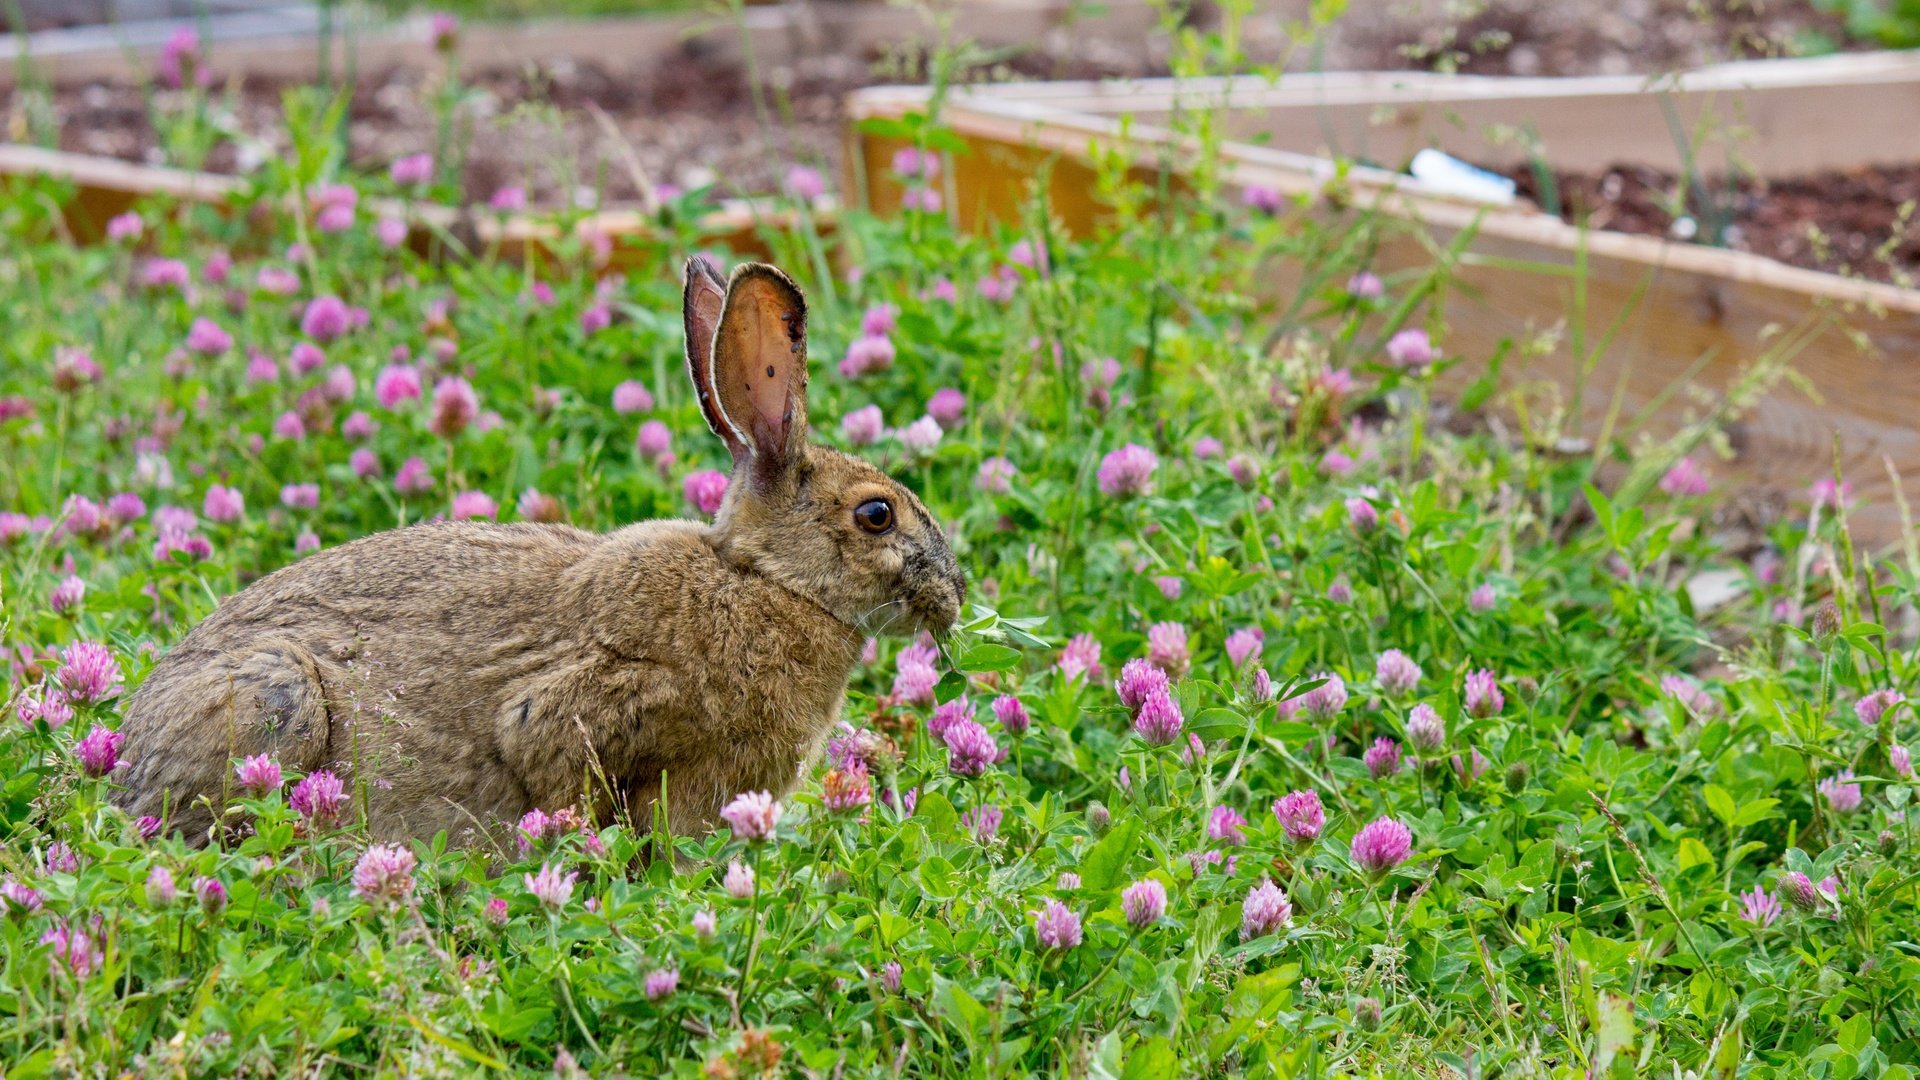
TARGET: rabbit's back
(401,605)
(381,656)
(450,573)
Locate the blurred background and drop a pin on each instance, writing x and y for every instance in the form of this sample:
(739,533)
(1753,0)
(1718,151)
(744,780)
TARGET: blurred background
(596,103)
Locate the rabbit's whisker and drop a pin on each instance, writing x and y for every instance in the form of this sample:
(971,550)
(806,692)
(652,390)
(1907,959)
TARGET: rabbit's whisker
(866,621)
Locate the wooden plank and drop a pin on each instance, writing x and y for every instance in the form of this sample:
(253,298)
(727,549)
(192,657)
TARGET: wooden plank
(1003,122)
(1680,308)
(113,39)
(86,12)
(1155,95)
(780,33)
(104,187)
(1776,118)
(1769,132)
(1687,323)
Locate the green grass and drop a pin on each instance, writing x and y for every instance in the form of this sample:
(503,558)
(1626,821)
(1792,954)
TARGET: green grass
(1571,902)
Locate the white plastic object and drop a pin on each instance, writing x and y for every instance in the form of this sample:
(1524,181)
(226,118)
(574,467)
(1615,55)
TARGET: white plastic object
(1451,176)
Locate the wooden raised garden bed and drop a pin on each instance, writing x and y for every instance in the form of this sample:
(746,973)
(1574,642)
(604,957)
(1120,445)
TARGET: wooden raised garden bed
(1657,311)
(284,43)
(97,189)
(275,44)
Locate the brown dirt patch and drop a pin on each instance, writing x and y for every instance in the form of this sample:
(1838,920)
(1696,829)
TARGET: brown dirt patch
(1863,223)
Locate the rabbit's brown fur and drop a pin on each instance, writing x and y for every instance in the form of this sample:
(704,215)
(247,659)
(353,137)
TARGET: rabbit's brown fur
(465,673)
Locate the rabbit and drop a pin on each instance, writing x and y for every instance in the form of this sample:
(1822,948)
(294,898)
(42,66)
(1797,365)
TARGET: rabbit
(459,674)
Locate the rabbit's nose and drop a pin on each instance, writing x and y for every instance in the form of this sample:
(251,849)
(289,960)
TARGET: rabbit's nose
(943,602)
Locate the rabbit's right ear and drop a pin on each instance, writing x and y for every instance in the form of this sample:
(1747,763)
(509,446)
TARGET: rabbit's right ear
(702,306)
(760,372)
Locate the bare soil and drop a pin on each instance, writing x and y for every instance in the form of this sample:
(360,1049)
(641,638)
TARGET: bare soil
(1575,37)
(567,132)
(1863,223)
(587,134)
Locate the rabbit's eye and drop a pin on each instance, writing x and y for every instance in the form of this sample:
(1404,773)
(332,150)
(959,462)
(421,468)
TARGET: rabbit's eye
(874,515)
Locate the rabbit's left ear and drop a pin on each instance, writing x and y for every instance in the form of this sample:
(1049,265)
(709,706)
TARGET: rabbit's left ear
(760,370)
(705,298)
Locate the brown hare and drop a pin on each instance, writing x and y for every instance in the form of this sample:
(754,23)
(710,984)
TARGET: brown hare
(460,674)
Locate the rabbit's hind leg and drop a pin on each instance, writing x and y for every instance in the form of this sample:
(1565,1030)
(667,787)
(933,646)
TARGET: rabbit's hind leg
(197,713)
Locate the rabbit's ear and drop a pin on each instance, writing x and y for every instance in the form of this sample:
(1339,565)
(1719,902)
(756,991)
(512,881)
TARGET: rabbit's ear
(706,298)
(760,369)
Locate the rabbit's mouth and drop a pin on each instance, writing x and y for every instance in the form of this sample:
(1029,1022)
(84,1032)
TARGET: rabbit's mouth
(932,607)
(938,606)
(904,617)
(937,623)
